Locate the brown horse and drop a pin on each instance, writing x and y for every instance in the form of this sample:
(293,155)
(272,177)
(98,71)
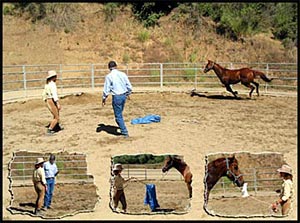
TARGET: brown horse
(182,167)
(244,75)
(219,168)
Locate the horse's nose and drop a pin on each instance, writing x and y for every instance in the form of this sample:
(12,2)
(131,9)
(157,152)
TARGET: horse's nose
(239,183)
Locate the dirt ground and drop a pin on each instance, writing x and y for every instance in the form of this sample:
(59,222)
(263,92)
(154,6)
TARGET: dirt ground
(190,126)
(68,199)
(172,197)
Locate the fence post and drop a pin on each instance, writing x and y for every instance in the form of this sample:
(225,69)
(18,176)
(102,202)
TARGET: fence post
(223,186)
(92,77)
(161,75)
(267,72)
(128,171)
(145,174)
(61,81)
(195,84)
(255,181)
(24,80)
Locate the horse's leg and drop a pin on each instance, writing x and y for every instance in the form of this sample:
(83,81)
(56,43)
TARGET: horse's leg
(256,85)
(248,85)
(228,88)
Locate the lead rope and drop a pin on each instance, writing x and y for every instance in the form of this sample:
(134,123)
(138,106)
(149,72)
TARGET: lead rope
(254,198)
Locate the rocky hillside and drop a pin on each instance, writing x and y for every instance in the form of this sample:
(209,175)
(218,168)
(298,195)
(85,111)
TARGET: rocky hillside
(95,40)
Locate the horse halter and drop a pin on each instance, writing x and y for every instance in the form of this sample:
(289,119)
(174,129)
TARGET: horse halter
(169,166)
(229,171)
(206,69)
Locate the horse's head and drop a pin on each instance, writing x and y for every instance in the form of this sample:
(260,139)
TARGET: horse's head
(233,171)
(209,66)
(168,164)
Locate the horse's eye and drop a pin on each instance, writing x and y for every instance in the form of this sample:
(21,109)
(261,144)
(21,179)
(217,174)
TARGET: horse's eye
(236,167)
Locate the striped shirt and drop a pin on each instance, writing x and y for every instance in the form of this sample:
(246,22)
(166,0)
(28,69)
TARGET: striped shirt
(116,83)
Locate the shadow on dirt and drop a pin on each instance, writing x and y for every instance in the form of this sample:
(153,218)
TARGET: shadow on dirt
(163,210)
(110,129)
(22,210)
(56,128)
(222,97)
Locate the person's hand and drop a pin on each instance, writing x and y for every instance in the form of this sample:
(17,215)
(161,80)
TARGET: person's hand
(103,102)
(58,106)
(46,188)
(274,207)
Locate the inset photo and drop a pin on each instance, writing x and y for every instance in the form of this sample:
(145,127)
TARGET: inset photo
(150,184)
(247,184)
(50,185)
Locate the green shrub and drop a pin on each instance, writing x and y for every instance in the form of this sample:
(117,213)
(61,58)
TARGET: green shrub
(126,58)
(143,36)
(8,9)
(110,11)
(138,159)
(189,74)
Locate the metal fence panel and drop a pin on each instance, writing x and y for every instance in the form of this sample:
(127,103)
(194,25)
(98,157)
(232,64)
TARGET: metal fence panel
(32,77)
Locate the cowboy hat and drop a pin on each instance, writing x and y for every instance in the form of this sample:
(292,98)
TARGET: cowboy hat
(118,166)
(285,169)
(39,160)
(51,73)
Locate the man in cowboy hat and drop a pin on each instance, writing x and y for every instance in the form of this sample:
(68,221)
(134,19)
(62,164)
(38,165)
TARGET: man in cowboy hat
(40,184)
(286,192)
(118,187)
(118,84)
(51,98)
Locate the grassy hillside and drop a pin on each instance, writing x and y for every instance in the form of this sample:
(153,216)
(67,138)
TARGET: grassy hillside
(93,39)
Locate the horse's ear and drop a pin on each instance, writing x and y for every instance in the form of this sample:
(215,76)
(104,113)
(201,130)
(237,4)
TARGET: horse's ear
(231,159)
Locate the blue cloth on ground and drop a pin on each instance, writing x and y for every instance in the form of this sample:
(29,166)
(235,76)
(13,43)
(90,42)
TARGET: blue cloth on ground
(150,197)
(146,120)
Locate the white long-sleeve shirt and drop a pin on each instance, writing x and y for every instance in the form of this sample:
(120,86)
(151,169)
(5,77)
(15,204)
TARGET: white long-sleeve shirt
(116,83)
(50,91)
(286,190)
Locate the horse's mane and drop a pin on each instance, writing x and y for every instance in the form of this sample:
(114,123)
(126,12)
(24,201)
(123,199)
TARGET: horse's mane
(179,159)
(219,161)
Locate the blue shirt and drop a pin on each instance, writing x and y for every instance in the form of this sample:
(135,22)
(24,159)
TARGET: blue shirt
(50,169)
(116,83)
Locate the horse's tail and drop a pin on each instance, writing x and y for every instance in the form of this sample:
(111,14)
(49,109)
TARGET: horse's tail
(262,75)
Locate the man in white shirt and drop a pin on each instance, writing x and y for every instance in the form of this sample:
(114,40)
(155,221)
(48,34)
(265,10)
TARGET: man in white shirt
(51,172)
(117,84)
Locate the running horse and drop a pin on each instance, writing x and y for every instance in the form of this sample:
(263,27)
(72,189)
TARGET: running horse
(221,167)
(244,75)
(182,167)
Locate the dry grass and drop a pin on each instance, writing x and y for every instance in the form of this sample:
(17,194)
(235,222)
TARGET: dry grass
(95,40)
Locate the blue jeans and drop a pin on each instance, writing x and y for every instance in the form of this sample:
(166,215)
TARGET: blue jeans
(49,192)
(118,102)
